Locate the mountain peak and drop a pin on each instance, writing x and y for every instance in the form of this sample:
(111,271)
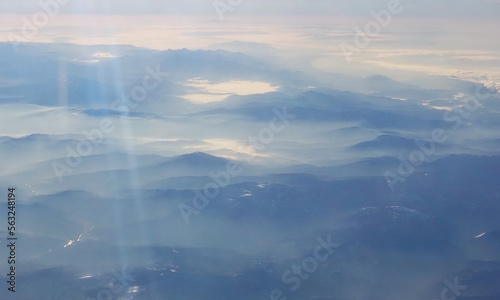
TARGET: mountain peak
(200,159)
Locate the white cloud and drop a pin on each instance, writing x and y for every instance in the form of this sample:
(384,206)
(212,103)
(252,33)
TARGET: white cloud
(215,92)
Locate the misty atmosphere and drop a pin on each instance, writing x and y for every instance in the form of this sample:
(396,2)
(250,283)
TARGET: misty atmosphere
(214,150)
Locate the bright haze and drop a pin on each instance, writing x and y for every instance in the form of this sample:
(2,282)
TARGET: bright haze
(238,149)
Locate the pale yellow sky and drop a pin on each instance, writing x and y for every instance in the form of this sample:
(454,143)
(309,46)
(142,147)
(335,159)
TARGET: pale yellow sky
(409,46)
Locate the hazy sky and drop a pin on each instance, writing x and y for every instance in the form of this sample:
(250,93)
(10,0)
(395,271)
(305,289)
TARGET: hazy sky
(446,37)
(442,8)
